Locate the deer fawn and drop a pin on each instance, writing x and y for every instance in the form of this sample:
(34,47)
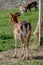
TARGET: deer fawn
(22,31)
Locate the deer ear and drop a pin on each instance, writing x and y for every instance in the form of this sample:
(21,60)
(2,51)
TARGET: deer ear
(11,14)
(17,14)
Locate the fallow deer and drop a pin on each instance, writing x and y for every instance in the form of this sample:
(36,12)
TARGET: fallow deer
(22,9)
(28,7)
(22,31)
(36,32)
(31,5)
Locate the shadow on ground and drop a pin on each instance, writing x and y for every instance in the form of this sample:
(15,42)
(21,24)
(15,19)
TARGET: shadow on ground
(38,58)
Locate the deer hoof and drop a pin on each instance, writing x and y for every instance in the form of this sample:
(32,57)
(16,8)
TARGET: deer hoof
(27,58)
(15,56)
(23,57)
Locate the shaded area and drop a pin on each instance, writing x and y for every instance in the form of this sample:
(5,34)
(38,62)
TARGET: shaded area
(9,55)
(5,36)
(38,57)
(41,43)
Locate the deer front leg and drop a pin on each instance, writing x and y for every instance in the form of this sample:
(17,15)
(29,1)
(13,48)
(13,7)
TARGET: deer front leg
(15,55)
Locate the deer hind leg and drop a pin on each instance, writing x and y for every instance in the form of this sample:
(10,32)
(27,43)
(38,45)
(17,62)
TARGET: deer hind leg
(27,52)
(27,47)
(24,52)
(23,47)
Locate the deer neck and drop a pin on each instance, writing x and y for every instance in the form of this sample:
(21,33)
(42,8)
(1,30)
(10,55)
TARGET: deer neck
(15,21)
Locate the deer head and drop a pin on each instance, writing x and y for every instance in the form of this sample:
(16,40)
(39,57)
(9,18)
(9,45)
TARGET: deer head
(14,16)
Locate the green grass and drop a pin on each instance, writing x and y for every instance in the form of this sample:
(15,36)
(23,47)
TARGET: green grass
(6,28)
(23,63)
(6,33)
(29,63)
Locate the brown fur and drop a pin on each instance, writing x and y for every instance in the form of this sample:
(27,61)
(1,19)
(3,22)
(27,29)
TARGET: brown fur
(18,34)
(22,9)
(31,5)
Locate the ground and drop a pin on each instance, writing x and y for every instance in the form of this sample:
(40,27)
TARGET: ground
(8,56)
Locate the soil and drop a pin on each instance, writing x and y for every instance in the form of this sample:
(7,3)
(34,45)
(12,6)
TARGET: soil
(8,56)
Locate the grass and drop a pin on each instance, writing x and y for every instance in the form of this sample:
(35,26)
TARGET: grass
(29,63)
(6,33)
(6,27)
(23,63)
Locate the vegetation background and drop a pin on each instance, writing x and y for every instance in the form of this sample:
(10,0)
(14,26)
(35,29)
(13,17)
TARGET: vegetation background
(6,35)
